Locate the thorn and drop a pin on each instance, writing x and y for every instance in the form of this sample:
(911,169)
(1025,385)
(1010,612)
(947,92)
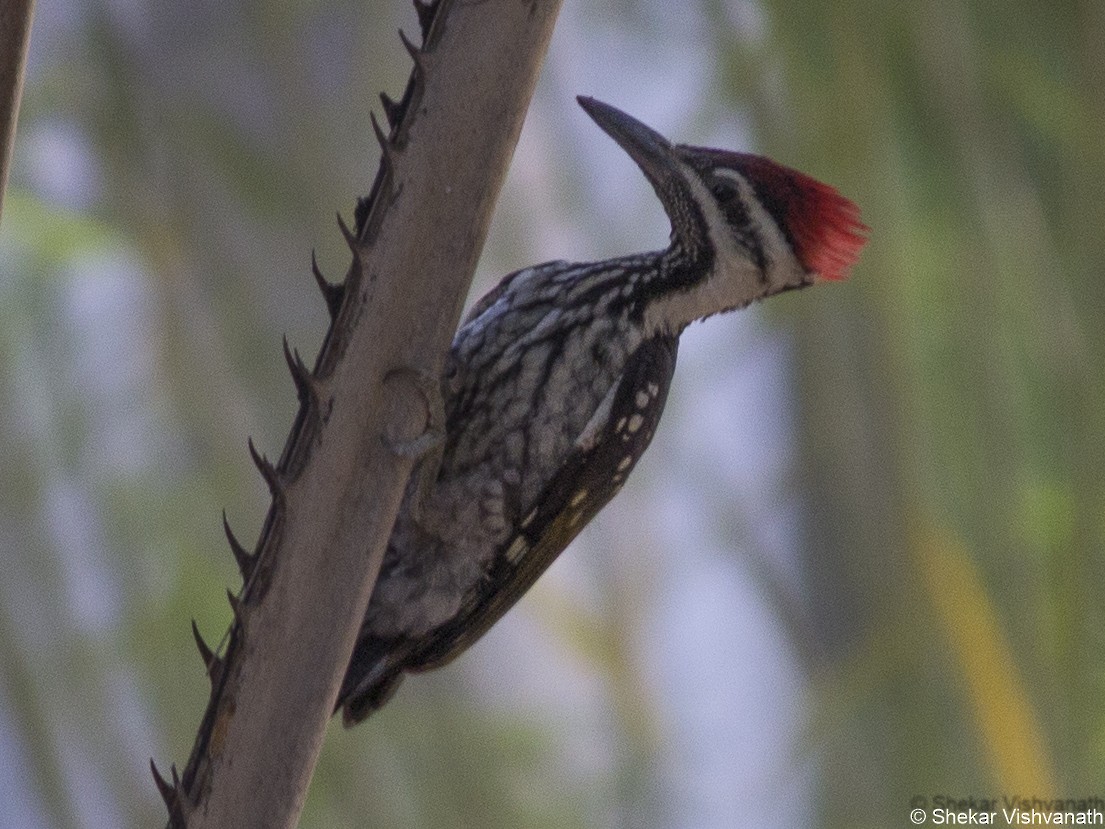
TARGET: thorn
(235,606)
(425,12)
(164,787)
(333,294)
(350,238)
(417,55)
(210,661)
(387,152)
(184,805)
(392,110)
(246,561)
(268,471)
(306,386)
(360,214)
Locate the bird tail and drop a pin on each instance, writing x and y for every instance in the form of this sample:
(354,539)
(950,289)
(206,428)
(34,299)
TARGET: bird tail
(373,675)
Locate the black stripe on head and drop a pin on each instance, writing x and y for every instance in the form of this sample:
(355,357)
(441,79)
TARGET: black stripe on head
(742,229)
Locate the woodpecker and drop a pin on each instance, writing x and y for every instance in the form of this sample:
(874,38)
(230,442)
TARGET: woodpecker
(555,383)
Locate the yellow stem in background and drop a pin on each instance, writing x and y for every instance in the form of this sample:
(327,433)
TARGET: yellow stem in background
(1010,730)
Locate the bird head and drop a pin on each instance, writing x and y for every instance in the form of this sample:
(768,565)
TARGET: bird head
(745,226)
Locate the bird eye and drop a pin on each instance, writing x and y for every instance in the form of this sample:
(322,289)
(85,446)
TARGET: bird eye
(723,191)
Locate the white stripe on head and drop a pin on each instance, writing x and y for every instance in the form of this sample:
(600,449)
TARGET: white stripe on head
(735,278)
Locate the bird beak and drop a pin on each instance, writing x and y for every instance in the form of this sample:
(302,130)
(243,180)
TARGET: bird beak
(651,151)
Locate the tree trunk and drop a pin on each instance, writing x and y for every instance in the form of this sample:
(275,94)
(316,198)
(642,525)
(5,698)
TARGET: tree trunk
(15,33)
(340,479)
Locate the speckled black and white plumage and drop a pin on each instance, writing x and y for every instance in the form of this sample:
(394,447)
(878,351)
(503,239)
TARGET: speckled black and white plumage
(553,389)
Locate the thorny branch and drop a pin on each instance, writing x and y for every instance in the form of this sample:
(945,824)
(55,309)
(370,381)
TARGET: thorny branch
(337,484)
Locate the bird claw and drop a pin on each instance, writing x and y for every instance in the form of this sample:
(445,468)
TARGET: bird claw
(420,447)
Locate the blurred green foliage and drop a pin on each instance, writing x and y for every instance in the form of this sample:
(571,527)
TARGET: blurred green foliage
(176,165)
(952,400)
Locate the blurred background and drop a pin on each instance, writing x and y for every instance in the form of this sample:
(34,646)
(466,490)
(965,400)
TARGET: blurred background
(861,566)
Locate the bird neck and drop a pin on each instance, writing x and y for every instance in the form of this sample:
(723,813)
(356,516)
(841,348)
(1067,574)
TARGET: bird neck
(692,287)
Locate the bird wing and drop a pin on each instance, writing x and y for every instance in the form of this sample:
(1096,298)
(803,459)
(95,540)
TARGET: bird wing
(602,457)
(590,476)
